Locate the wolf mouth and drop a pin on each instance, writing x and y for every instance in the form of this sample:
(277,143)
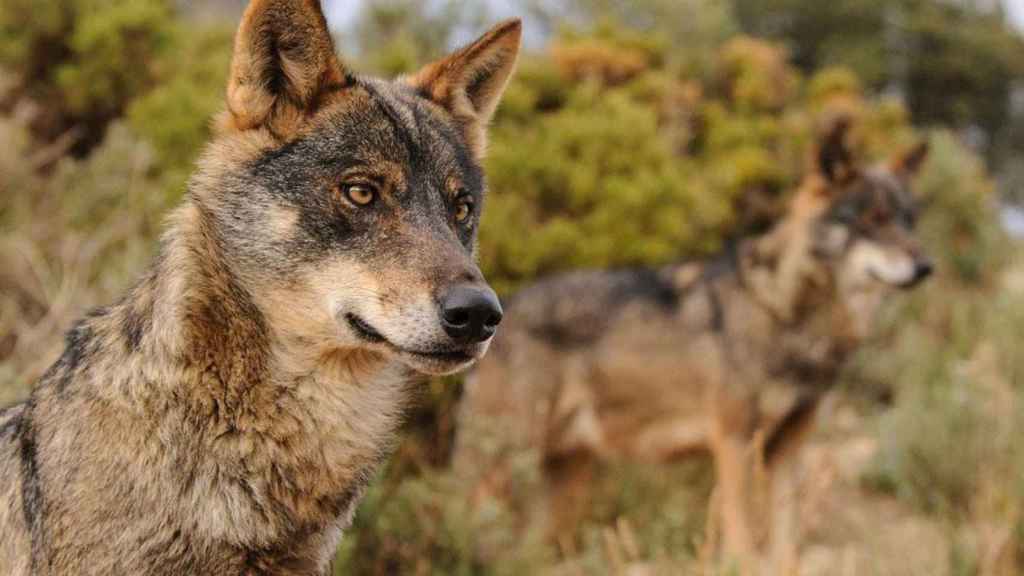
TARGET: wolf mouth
(364,330)
(370,334)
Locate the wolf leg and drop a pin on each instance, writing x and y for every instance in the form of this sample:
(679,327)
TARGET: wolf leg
(785,511)
(732,469)
(570,478)
(782,460)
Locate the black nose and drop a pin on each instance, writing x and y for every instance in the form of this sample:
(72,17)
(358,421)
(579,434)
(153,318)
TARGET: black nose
(470,313)
(923,268)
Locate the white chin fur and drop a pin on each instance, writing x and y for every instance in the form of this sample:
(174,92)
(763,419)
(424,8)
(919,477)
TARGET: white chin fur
(886,266)
(895,273)
(443,365)
(434,367)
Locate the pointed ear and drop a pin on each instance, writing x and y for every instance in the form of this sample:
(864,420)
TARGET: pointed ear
(835,159)
(909,163)
(469,83)
(283,66)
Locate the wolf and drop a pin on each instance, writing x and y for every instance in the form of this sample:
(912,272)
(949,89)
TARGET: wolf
(226,415)
(729,356)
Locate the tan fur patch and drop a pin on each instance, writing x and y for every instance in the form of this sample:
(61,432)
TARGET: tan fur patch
(282,221)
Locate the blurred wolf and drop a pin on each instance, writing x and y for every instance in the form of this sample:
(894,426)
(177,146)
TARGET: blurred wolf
(226,415)
(729,356)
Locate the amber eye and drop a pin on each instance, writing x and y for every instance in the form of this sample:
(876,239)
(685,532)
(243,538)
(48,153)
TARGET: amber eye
(359,194)
(463,209)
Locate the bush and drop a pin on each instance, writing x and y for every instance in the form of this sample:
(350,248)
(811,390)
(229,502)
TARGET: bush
(71,239)
(82,61)
(598,186)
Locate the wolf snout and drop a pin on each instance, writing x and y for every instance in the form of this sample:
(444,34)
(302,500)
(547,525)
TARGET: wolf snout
(470,314)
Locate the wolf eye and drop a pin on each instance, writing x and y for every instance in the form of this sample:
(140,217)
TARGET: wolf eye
(464,209)
(359,194)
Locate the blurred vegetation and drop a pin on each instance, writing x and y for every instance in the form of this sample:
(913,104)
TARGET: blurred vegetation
(955,62)
(639,133)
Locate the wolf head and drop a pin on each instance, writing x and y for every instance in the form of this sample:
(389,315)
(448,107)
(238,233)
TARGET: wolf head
(864,229)
(348,207)
(851,228)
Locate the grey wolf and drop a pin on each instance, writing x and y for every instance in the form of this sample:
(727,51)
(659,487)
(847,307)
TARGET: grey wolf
(729,356)
(225,416)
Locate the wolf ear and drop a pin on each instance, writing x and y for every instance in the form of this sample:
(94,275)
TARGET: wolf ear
(835,159)
(469,83)
(283,66)
(909,163)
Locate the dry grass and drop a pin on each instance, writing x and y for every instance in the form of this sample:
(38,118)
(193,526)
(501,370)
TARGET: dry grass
(72,237)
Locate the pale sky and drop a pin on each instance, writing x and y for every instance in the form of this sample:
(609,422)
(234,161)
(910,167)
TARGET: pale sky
(342,12)
(1015,8)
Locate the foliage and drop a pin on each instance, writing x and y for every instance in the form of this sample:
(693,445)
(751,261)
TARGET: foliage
(426,524)
(70,239)
(955,62)
(81,61)
(175,115)
(690,30)
(586,179)
(127,91)
(391,36)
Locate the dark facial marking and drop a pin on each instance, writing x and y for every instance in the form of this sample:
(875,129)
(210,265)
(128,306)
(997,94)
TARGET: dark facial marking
(382,133)
(412,147)
(871,202)
(435,150)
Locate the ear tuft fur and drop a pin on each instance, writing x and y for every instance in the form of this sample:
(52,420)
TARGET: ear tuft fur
(835,158)
(283,66)
(909,163)
(469,83)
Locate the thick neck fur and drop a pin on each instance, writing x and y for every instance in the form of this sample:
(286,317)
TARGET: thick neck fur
(781,275)
(283,440)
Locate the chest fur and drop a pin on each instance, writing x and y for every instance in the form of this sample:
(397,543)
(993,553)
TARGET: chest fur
(278,475)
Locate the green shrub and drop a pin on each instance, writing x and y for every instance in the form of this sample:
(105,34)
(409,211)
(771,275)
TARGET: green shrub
(82,61)
(597,186)
(175,115)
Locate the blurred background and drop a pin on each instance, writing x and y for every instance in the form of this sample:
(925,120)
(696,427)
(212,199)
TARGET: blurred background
(638,132)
